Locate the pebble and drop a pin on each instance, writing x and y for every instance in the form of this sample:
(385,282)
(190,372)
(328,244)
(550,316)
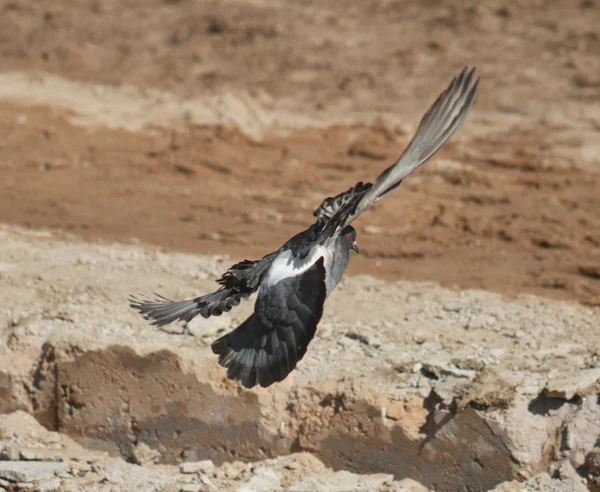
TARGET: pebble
(30,471)
(205,466)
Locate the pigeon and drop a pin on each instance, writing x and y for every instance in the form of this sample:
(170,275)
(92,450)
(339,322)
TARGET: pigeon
(294,281)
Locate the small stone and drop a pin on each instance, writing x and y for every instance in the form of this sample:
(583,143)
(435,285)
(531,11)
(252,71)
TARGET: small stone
(76,466)
(49,485)
(262,479)
(563,470)
(593,461)
(143,454)
(409,485)
(23,487)
(206,481)
(10,453)
(30,471)
(190,487)
(205,466)
(396,411)
(580,383)
(233,469)
(91,456)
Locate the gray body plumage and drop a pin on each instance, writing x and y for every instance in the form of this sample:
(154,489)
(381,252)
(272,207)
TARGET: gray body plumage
(341,260)
(294,281)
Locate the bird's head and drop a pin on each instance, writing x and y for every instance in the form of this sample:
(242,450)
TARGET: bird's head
(348,236)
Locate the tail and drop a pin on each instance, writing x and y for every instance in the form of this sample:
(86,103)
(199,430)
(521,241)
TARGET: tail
(265,350)
(162,311)
(254,356)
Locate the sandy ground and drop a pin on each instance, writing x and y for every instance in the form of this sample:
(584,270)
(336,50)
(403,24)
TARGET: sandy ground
(216,128)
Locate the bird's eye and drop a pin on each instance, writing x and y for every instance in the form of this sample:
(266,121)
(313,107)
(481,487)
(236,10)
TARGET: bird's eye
(350,237)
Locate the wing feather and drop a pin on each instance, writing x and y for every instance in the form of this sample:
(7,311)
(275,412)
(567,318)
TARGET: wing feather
(239,282)
(440,122)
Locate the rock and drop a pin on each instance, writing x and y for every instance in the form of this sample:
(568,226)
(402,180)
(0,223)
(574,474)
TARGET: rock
(578,383)
(408,485)
(591,468)
(12,389)
(410,416)
(581,431)
(52,485)
(23,486)
(190,487)
(592,462)
(205,466)
(10,453)
(78,467)
(262,479)
(234,469)
(143,454)
(16,452)
(564,470)
(542,482)
(26,440)
(29,471)
(206,481)
(20,424)
(488,389)
(298,466)
(343,481)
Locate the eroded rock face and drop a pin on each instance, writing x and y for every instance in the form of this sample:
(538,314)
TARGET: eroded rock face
(118,396)
(11,398)
(51,461)
(400,380)
(115,399)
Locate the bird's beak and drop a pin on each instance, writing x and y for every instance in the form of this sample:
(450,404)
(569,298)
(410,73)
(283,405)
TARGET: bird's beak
(355,247)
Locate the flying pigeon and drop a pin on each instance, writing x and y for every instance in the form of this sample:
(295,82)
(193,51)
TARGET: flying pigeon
(294,281)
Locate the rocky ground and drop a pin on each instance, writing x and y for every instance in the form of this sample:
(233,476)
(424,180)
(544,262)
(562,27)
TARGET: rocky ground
(454,390)
(133,134)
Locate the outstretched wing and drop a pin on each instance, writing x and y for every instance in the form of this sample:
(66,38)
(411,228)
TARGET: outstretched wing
(267,346)
(239,282)
(439,123)
(330,206)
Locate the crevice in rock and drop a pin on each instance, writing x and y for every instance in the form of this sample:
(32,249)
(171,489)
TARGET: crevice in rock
(44,392)
(429,374)
(431,404)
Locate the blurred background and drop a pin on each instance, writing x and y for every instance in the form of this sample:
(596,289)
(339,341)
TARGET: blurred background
(218,127)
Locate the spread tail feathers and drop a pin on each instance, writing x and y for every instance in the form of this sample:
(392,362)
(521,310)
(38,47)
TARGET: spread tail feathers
(254,356)
(266,347)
